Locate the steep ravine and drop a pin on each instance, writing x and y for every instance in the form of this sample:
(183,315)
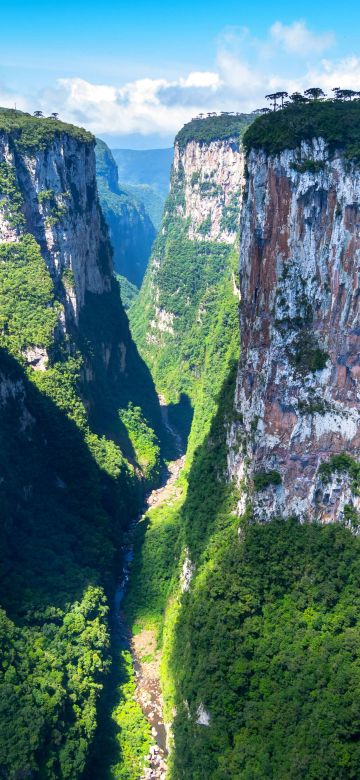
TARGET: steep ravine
(190,358)
(145,653)
(232,648)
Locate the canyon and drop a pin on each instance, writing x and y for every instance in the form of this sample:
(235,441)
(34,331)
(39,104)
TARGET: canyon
(204,471)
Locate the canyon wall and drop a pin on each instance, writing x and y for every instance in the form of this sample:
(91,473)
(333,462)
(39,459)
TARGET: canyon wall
(193,264)
(49,198)
(297,395)
(57,204)
(212,177)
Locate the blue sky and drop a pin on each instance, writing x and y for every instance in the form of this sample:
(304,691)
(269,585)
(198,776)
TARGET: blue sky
(135,72)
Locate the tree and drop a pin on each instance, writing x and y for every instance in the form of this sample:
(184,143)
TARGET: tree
(344,94)
(54,115)
(273,99)
(277,97)
(298,98)
(38,114)
(259,111)
(280,96)
(314,93)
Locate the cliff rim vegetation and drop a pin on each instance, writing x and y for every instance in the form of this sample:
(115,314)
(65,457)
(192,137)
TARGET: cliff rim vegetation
(336,122)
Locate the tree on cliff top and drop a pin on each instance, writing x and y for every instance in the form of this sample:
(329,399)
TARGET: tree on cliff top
(276,97)
(314,93)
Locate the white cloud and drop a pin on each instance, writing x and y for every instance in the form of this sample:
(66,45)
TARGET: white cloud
(10,98)
(296,38)
(344,73)
(246,69)
(201,79)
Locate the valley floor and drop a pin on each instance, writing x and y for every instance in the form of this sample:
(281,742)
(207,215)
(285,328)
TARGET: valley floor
(146,655)
(143,641)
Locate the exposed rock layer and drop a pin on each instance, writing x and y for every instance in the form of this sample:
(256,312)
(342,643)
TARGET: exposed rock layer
(207,183)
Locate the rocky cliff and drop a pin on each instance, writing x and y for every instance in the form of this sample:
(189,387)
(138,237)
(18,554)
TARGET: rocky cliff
(192,258)
(258,622)
(50,209)
(212,176)
(57,204)
(298,431)
(131,230)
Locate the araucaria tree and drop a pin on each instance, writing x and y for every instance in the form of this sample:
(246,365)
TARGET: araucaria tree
(314,93)
(298,98)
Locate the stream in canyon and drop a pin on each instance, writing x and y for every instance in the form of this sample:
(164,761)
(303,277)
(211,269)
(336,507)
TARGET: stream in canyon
(143,645)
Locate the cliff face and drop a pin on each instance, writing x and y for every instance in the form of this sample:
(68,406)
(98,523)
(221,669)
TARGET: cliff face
(57,189)
(131,230)
(268,599)
(50,213)
(298,379)
(213,179)
(193,262)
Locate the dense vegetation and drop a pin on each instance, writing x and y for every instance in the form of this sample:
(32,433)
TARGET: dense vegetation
(193,283)
(129,292)
(190,272)
(194,362)
(216,128)
(337,122)
(123,737)
(260,650)
(29,132)
(281,681)
(57,552)
(266,641)
(28,313)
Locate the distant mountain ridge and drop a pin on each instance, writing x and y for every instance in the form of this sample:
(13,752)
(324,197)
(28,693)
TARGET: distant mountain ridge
(131,229)
(145,175)
(145,166)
